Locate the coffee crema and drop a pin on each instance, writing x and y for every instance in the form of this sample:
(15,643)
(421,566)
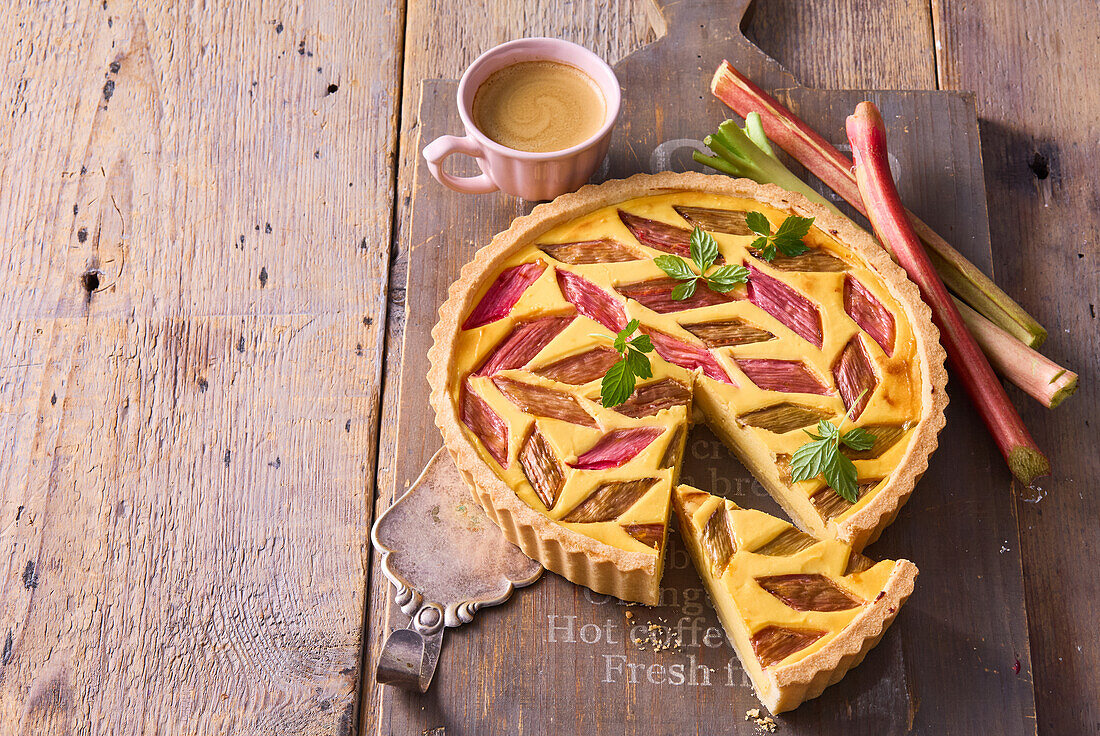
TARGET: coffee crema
(539,106)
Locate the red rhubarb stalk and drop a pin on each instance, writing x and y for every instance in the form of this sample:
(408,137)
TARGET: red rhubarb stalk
(834,169)
(867,135)
(1041,378)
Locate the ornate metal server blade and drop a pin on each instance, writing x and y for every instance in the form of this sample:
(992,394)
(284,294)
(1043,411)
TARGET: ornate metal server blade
(447,560)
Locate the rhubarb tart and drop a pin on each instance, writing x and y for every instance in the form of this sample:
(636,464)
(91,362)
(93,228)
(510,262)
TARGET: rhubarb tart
(832,332)
(799,611)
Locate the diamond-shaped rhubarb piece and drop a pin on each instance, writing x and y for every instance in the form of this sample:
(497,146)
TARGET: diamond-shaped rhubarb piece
(687,355)
(503,294)
(717,540)
(544,402)
(815,261)
(675,450)
(854,376)
(727,332)
(857,563)
(657,295)
(651,535)
(786,305)
(783,417)
(604,250)
(525,341)
(591,301)
(809,592)
(542,468)
(610,500)
(868,312)
(714,219)
(886,436)
(616,448)
(486,425)
(773,644)
(655,396)
(788,376)
(831,504)
(582,367)
(788,542)
(658,235)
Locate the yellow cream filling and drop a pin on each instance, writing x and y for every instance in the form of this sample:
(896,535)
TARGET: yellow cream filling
(745,608)
(895,400)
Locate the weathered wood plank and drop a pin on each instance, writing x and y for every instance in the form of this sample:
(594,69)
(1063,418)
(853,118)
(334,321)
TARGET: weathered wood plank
(1031,67)
(196,222)
(848,44)
(487,689)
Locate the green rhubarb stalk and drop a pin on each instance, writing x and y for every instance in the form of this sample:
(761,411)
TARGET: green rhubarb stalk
(834,169)
(1041,378)
(747,153)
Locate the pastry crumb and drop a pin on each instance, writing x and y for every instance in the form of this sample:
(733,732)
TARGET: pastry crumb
(764,723)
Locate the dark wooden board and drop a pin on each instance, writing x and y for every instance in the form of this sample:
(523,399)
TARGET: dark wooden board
(558,659)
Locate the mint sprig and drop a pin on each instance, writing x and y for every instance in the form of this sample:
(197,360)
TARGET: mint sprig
(786,240)
(621,378)
(704,252)
(822,456)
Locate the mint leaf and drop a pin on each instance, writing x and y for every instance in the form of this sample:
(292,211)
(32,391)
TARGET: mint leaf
(619,381)
(840,474)
(791,248)
(618,384)
(858,439)
(727,277)
(642,343)
(683,290)
(704,249)
(809,460)
(786,240)
(822,456)
(639,364)
(794,228)
(758,223)
(675,267)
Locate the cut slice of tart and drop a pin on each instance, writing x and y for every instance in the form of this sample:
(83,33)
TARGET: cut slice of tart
(799,611)
(527,334)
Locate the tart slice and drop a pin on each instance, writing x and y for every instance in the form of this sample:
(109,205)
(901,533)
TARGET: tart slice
(799,611)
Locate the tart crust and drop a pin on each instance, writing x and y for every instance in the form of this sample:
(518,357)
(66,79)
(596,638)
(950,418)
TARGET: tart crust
(634,575)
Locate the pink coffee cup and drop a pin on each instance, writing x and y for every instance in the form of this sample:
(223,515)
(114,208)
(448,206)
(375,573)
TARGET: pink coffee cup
(526,174)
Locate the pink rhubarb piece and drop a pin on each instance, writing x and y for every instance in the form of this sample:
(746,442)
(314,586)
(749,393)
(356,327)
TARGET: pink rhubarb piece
(786,305)
(503,294)
(591,301)
(789,376)
(616,448)
(687,355)
(522,344)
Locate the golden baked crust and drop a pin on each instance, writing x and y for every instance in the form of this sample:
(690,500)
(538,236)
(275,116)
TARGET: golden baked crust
(805,673)
(626,573)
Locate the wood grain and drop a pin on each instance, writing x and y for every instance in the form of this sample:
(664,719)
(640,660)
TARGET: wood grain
(855,44)
(1031,67)
(489,688)
(196,221)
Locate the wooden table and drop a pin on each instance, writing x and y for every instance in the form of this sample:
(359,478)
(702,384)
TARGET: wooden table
(203,215)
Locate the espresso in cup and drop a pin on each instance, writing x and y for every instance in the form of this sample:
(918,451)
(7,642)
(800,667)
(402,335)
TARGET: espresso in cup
(539,106)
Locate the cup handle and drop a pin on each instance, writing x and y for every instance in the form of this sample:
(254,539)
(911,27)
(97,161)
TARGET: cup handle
(442,147)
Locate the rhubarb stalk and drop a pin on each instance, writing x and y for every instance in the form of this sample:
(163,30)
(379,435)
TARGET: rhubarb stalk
(1041,378)
(867,135)
(835,170)
(746,153)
